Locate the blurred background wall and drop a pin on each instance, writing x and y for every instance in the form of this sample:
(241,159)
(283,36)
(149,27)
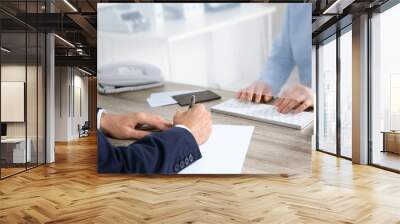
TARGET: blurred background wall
(211,45)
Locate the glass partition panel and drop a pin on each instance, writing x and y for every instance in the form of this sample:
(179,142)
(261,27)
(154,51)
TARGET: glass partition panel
(22,61)
(31,98)
(346,94)
(41,98)
(32,88)
(327,97)
(385,89)
(14,153)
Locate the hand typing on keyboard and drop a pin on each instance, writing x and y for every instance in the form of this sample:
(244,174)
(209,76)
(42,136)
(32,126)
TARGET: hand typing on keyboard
(294,99)
(256,92)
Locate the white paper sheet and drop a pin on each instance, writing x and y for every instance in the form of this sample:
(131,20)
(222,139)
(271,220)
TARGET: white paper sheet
(165,98)
(224,152)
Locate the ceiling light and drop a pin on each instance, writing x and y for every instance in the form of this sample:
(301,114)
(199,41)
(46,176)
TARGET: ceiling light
(64,40)
(5,50)
(70,5)
(86,72)
(337,7)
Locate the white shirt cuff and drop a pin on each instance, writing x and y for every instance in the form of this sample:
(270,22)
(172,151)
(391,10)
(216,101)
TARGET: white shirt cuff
(184,127)
(99,117)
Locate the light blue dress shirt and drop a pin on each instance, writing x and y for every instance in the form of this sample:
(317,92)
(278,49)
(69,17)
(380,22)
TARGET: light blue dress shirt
(291,48)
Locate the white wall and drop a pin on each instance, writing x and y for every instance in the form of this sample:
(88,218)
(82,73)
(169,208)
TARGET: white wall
(12,73)
(80,100)
(33,126)
(61,103)
(229,57)
(69,81)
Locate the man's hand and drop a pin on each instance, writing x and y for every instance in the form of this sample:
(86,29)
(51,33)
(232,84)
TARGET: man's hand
(198,120)
(123,126)
(297,99)
(257,92)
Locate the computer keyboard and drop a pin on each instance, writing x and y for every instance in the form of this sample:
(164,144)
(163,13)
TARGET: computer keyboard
(265,113)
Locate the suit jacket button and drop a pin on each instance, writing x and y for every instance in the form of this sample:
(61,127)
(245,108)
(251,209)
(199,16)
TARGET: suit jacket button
(181,164)
(190,158)
(186,161)
(176,168)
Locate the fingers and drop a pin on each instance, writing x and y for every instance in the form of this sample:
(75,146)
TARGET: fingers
(292,104)
(267,98)
(246,94)
(302,107)
(197,120)
(239,94)
(178,115)
(152,120)
(290,99)
(283,100)
(296,99)
(254,95)
(255,92)
(249,95)
(242,94)
(258,93)
(282,103)
(277,101)
(197,108)
(258,97)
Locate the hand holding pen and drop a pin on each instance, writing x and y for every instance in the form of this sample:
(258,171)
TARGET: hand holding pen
(197,119)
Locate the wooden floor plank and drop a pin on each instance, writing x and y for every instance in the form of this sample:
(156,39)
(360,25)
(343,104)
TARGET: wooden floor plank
(71,191)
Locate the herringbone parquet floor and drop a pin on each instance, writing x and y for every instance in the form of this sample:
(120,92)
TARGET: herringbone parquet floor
(70,191)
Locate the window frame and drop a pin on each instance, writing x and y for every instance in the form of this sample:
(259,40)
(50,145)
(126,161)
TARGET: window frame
(333,37)
(338,29)
(27,29)
(371,14)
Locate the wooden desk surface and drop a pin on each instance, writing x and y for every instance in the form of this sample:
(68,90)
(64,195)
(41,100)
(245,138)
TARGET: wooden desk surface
(273,149)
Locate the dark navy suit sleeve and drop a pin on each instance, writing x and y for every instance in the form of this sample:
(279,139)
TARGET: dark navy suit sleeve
(164,152)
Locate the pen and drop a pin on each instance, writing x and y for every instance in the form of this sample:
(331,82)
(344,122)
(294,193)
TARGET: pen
(192,101)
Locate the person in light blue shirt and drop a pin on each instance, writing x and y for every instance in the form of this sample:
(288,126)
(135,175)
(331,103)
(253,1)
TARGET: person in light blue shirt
(291,49)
